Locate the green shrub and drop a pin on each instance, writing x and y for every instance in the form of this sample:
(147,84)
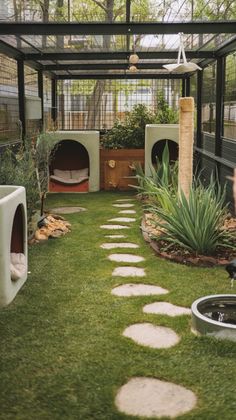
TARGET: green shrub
(195,225)
(19,169)
(165,114)
(131,133)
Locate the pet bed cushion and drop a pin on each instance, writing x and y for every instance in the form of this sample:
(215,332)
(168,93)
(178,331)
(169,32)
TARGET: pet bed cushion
(17,265)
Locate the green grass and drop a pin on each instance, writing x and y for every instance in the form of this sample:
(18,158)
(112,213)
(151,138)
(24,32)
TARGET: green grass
(62,352)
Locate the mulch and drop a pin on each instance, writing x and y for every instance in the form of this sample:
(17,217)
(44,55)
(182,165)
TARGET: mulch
(177,254)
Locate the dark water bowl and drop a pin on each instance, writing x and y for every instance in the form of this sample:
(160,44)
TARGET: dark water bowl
(215,315)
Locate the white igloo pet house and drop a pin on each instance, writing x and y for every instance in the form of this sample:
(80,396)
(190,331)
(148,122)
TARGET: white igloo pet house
(70,162)
(13,242)
(155,133)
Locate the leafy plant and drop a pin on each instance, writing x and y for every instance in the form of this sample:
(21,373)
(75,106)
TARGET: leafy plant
(165,176)
(131,133)
(19,169)
(195,225)
(165,114)
(43,157)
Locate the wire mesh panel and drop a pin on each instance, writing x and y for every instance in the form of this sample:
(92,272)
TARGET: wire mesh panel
(96,104)
(9,112)
(209,99)
(47,98)
(230,97)
(33,125)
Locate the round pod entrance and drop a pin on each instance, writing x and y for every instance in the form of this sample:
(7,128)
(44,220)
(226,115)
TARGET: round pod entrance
(69,167)
(158,149)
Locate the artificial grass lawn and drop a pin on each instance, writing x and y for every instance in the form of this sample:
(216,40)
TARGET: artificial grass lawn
(62,352)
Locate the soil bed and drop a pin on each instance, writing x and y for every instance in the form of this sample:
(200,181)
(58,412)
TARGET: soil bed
(177,254)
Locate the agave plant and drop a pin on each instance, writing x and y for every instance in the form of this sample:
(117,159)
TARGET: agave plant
(164,177)
(194,224)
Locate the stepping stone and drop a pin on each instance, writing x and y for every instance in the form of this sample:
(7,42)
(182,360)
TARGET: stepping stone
(114,227)
(150,397)
(115,236)
(127,212)
(126,199)
(123,205)
(135,289)
(128,272)
(150,335)
(122,219)
(125,258)
(118,245)
(166,308)
(67,210)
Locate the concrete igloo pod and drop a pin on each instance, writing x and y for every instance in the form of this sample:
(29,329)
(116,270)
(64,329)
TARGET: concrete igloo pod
(80,152)
(13,242)
(155,133)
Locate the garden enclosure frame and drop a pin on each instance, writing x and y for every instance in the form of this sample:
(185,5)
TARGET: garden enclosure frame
(51,50)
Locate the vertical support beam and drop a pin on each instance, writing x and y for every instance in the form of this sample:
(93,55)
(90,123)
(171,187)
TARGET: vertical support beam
(183,88)
(220,73)
(187,89)
(54,101)
(199,107)
(21,97)
(40,93)
(128,2)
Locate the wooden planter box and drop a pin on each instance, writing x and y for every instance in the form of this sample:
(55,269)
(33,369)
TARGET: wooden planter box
(116,168)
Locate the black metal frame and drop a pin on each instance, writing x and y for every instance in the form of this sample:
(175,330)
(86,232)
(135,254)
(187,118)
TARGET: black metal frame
(98,70)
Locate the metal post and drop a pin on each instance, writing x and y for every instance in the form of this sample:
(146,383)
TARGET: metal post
(128,21)
(187,90)
(199,108)
(183,88)
(219,104)
(21,97)
(40,93)
(54,101)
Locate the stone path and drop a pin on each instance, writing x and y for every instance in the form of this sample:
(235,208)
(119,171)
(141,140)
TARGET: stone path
(165,308)
(115,236)
(149,397)
(140,396)
(127,212)
(128,272)
(113,245)
(123,205)
(114,227)
(151,335)
(138,289)
(125,258)
(122,219)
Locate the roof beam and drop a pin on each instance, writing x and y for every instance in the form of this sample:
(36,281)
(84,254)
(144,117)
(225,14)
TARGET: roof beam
(227,48)
(119,76)
(102,66)
(118,55)
(75,28)
(10,51)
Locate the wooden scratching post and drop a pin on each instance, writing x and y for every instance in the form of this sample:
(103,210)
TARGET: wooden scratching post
(186,130)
